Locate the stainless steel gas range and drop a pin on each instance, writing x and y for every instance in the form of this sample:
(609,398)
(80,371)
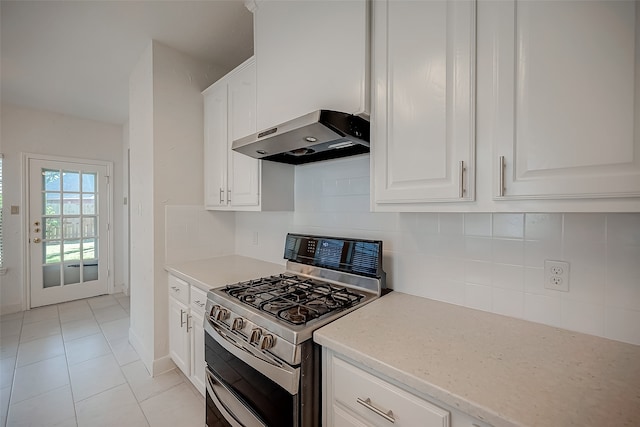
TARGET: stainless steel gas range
(263,368)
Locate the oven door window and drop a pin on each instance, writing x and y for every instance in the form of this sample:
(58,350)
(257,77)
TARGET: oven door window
(269,402)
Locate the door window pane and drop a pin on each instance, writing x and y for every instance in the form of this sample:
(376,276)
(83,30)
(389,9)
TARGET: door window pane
(88,182)
(71,204)
(71,250)
(51,276)
(51,180)
(71,274)
(70,181)
(52,252)
(89,248)
(89,226)
(71,228)
(51,205)
(51,228)
(90,272)
(88,204)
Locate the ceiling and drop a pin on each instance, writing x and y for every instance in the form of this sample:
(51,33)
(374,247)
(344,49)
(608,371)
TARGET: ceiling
(74,57)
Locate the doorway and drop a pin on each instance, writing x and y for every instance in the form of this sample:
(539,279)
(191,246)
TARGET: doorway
(69,234)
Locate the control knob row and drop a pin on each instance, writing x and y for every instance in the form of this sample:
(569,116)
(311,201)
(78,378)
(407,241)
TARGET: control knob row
(264,341)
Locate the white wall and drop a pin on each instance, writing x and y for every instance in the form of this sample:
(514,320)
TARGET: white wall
(40,132)
(492,262)
(166,141)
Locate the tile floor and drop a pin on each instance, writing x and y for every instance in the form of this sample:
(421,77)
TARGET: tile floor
(71,365)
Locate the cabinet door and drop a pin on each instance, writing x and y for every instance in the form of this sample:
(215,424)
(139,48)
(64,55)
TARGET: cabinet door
(566,92)
(197,351)
(424,95)
(215,145)
(179,342)
(311,55)
(244,171)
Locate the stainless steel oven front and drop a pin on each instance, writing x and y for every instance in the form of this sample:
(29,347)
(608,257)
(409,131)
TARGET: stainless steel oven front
(247,387)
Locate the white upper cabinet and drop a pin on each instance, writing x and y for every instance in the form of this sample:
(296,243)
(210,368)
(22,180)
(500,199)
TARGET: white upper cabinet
(310,55)
(566,95)
(423,118)
(234,181)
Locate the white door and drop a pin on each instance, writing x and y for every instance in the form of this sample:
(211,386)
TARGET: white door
(68,230)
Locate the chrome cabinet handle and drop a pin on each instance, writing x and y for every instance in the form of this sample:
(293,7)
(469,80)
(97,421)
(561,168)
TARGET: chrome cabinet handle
(462,171)
(502,167)
(367,404)
(198,303)
(228,196)
(175,289)
(189,326)
(221,193)
(182,322)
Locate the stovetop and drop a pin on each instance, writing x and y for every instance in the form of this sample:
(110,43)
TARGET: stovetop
(292,298)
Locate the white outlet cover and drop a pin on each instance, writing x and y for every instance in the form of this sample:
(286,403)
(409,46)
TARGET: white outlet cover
(556,275)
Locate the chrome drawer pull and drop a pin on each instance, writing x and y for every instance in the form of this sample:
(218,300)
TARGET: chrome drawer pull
(367,404)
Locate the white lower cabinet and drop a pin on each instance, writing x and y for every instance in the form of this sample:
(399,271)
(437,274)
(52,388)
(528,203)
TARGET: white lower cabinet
(186,329)
(357,397)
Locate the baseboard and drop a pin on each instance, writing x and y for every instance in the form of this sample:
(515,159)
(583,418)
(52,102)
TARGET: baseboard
(10,308)
(162,365)
(155,367)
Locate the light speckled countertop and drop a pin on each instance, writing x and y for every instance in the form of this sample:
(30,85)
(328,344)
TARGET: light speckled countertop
(219,271)
(498,369)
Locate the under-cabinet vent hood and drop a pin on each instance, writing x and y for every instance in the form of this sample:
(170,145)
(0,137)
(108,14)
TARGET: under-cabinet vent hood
(321,135)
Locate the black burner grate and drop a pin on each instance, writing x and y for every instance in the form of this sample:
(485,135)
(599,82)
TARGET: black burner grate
(293,299)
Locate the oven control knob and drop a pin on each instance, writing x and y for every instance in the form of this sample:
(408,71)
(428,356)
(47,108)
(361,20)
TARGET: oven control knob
(238,324)
(214,309)
(256,333)
(222,314)
(266,341)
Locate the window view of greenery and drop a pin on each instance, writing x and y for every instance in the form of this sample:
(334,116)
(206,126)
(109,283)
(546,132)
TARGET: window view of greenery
(1,239)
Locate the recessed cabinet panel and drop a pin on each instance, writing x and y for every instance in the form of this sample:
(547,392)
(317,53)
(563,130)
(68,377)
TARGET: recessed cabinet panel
(424,87)
(566,79)
(215,146)
(244,170)
(311,55)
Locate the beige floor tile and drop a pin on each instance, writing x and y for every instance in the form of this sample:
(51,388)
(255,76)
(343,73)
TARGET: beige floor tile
(177,406)
(12,316)
(79,328)
(108,314)
(86,348)
(41,329)
(116,329)
(40,349)
(144,385)
(123,351)
(102,301)
(9,346)
(10,328)
(72,305)
(94,376)
(111,408)
(5,394)
(47,409)
(7,366)
(80,312)
(41,313)
(39,377)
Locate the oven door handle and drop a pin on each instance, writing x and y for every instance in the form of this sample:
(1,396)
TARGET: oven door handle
(228,404)
(284,375)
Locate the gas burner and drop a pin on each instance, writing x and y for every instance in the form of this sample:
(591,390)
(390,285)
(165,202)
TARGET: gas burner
(298,315)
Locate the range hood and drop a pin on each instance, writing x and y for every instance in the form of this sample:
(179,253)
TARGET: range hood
(316,136)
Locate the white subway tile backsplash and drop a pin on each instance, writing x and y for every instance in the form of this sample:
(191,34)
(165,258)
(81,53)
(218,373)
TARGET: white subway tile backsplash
(508,251)
(488,261)
(543,309)
(478,296)
(477,224)
(508,225)
(507,302)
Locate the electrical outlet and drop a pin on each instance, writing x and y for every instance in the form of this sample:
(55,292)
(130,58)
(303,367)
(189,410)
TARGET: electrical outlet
(556,275)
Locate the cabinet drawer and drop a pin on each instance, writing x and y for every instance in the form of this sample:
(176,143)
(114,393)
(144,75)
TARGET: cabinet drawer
(198,299)
(178,289)
(373,398)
